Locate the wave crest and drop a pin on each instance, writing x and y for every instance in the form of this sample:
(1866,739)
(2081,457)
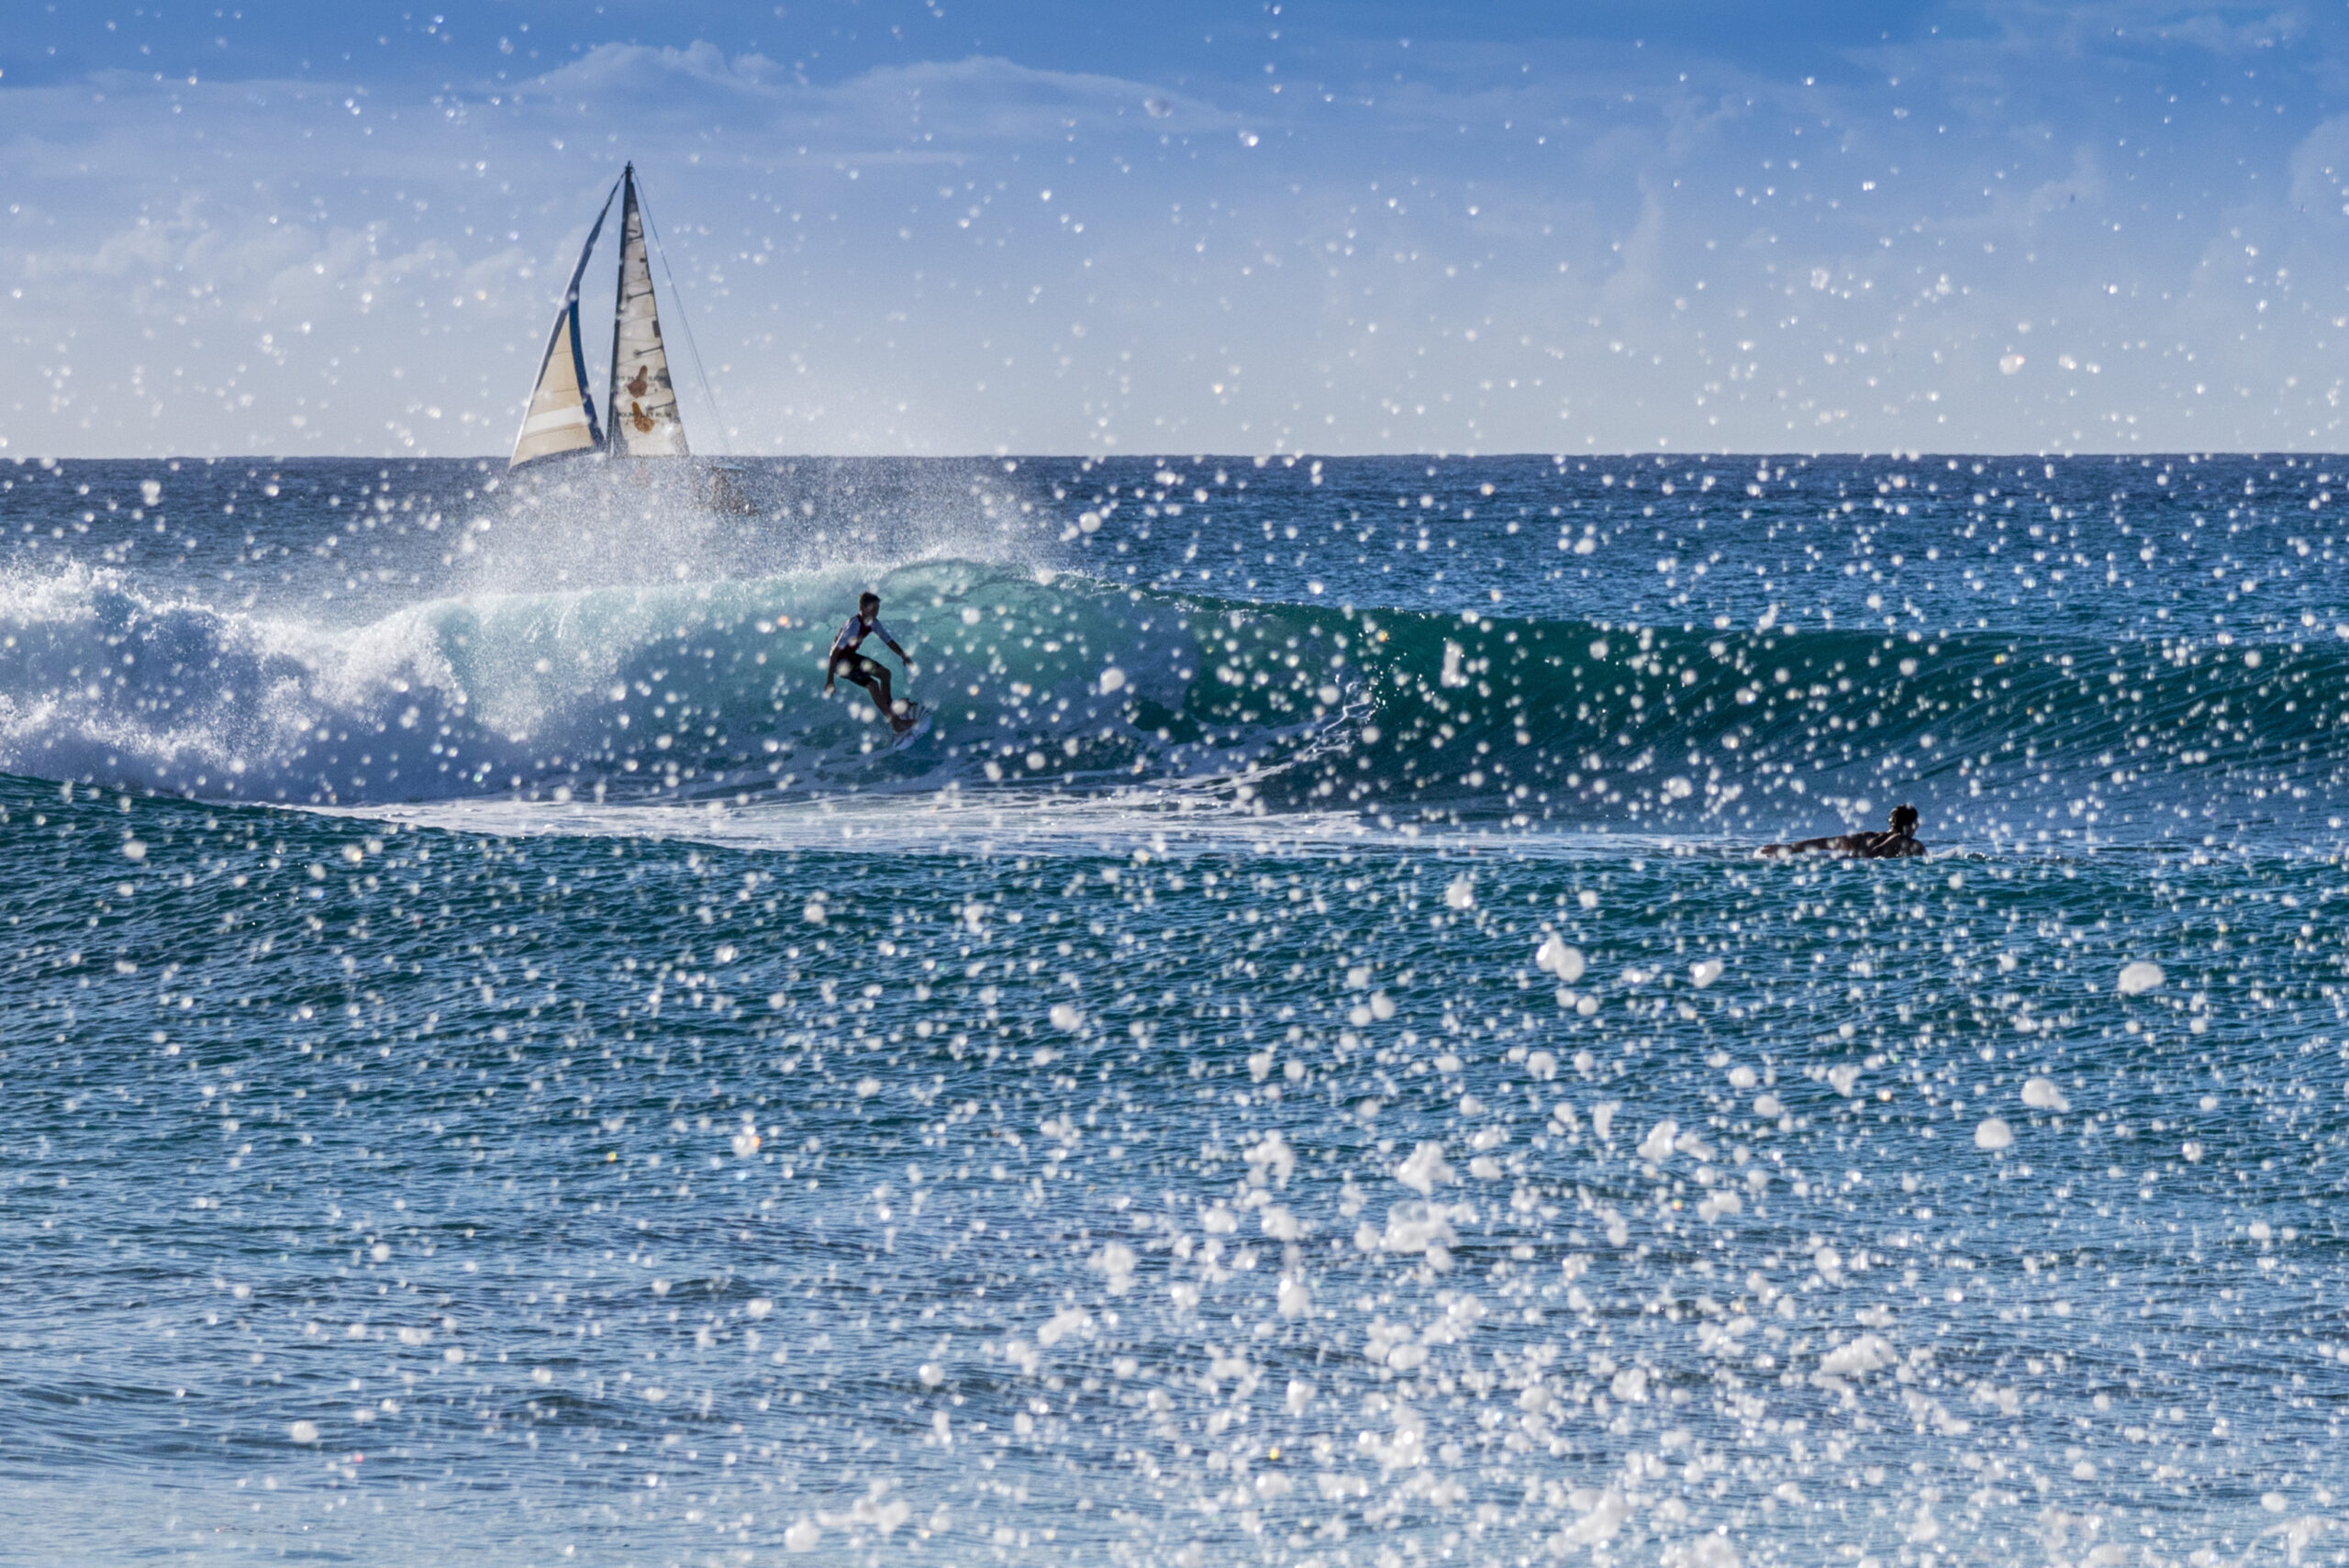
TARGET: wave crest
(714,688)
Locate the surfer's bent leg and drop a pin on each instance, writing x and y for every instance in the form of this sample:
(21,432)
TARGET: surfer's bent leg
(872,675)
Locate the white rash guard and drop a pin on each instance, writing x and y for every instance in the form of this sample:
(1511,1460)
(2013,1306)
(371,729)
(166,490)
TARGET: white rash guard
(857,630)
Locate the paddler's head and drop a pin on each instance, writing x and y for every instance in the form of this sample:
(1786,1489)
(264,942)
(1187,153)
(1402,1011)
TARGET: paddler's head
(1904,819)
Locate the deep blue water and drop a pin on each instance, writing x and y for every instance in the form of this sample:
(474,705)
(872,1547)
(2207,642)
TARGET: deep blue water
(1300,1064)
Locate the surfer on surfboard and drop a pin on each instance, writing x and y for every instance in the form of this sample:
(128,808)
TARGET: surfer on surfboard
(869,673)
(1897,844)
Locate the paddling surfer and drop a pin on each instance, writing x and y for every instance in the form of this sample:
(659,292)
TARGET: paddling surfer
(1897,844)
(869,673)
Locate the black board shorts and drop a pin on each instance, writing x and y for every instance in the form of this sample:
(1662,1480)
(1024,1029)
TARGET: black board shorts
(865,673)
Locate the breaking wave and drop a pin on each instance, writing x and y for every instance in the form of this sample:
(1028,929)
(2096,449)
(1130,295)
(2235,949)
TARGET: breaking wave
(1072,683)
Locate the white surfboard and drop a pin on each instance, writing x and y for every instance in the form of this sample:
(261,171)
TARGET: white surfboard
(914,731)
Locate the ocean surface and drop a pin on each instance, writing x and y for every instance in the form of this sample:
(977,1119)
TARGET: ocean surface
(1300,1064)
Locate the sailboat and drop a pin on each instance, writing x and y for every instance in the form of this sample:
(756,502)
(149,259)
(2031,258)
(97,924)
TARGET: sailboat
(643,420)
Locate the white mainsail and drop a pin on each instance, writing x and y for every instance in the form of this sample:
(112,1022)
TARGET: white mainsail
(643,403)
(561,416)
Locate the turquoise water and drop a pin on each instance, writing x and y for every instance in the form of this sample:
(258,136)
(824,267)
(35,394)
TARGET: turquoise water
(1300,1064)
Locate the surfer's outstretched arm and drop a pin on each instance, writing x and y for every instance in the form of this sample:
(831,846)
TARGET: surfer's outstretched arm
(1803,847)
(889,704)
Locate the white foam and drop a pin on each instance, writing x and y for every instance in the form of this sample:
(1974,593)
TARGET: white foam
(1164,822)
(2042,1094)
(1869,1353)
(1424,1169)
(1414,1227)
(1117,1261)
(1657,1144)
(1555,956)
(1274,1156)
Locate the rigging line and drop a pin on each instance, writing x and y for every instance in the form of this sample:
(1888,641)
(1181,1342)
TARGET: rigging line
(678,295)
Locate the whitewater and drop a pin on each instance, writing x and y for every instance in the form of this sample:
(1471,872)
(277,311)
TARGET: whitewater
(1298,1065)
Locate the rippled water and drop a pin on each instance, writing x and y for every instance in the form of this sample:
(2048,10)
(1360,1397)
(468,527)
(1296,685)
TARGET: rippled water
(1300,1064)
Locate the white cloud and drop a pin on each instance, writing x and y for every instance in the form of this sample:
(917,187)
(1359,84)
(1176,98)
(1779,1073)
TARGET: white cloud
(1600,255)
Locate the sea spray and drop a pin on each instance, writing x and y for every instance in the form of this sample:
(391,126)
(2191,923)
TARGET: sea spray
(1252,1141)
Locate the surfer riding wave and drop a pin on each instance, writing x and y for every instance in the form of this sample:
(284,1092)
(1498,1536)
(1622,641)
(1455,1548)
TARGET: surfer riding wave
(869,673)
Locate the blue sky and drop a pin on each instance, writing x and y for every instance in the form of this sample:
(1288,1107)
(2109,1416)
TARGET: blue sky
(1234,228)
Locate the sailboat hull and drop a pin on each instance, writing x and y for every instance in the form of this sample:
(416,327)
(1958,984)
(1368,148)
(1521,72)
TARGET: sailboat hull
(721,486)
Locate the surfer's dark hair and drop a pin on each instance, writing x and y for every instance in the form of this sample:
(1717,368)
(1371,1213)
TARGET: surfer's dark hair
(1904,819)
(867,597)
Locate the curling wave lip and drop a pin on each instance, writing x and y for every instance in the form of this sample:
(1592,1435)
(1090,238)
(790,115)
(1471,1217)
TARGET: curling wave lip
(708,692)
